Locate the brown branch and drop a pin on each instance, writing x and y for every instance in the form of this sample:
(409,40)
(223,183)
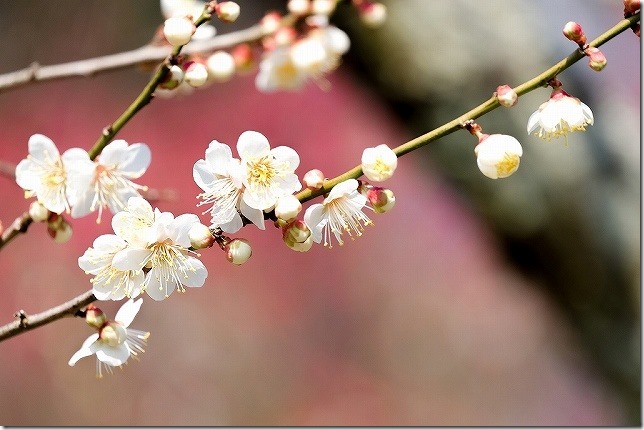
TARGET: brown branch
(145,54)
(24,322)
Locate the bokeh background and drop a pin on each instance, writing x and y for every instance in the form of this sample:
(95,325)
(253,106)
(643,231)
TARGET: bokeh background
(474,302)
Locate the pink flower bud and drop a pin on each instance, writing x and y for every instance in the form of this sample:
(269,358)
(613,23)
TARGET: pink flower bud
(373,14)
(238,251)
(506,95)
(94,317)
(574,32)
(227,11)
(243,56)
(596,59)
(313,179)
(381,199)
(196,73)
(271,22)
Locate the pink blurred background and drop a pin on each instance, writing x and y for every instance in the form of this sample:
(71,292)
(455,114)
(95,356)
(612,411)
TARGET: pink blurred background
(421,321)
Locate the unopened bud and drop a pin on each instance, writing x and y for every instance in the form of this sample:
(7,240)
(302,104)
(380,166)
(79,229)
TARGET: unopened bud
(574,32)
(373,14)
(313,179)
(94,317)
(178,30)
(59,229)
(221,66)
(506,96)
(238,251)
(173,78)
(38,212)
(196,74)
(270,22)
(200,236)
(287,207)
(381,199)
(323,7)
(285,36)
(227,11)
(596,59)
(113,334)
(299,7)
(297,236)
(243,57)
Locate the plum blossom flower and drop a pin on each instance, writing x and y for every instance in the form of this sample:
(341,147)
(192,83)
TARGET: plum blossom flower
(111,185)
(340,212)
(110,283)
(55,180)
(277,72)
(268,174)
(220,176)
(498,155)
(560,115)
(159,242)
(379,163)
(115,342)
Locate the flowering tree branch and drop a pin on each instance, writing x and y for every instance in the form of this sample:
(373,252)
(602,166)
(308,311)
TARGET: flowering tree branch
(485,107)
(25,322)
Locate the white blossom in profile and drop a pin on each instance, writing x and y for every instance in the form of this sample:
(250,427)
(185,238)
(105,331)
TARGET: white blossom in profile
(560,115)
(498,155)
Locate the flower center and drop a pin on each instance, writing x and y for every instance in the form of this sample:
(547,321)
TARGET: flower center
(56,176)
(113,334)
(508,165)
(261,172)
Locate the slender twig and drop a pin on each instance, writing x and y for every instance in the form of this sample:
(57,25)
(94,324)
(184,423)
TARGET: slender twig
(25,322)
(485,107)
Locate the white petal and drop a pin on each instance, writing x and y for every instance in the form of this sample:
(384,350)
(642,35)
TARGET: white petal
(342,189)
(131,258)
(218,155)
(155,289)
(26,176)
(261,201)
(85,350)
(314,218)
(235,224)
(113,355)
(256,216)
(203,174)
(135,160)
(197,275)
(284,154)
(42,148)
(252,144)
(533,122)
(180,227)
(83,203)
(128,311)
(113,153)
(288,184)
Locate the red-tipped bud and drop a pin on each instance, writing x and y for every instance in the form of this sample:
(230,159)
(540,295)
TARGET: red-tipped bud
(94,317)
(373,14)
(196,73)
(238,251)
(631,6)
(243,57)
(227,11)
(506,95)
(381,199)
(574,32)
(297,236)
(596,59)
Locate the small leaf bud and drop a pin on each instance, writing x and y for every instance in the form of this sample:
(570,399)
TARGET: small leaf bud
(200,236)
(596,59)
(94,317)
(221,66)
(381,199)
(178,30)
(238,251)
(506,96)
(287,207)
(574,32)
(227,11)
(313,179)
(38,212)
(196,74)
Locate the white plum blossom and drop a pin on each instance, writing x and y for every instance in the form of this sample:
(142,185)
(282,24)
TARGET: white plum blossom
(115,342)
(159,242)
(55,180)
(268,174)
(340,212)
(277,72)
(379,163)
(560,115)
(110,283)
(220,176)
(498,155)
(111,185)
